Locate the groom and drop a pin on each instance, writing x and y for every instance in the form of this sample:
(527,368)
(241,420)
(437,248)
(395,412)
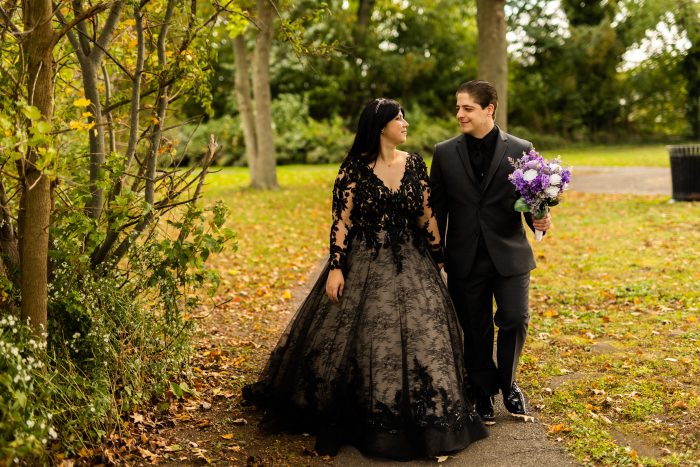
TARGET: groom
(488,255)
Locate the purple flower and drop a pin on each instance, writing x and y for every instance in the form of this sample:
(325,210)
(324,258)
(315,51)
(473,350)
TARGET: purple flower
(534,176)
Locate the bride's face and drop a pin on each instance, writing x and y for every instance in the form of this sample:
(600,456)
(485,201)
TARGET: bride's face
(396,130)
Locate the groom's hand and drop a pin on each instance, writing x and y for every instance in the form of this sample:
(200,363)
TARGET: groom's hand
(543,224)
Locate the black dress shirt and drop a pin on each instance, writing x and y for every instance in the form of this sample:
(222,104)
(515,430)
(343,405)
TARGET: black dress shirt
(481,152)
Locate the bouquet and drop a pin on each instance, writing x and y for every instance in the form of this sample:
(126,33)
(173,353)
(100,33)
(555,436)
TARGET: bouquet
(539,182)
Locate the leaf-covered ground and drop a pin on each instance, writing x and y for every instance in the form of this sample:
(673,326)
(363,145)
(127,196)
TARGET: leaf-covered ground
(611,363)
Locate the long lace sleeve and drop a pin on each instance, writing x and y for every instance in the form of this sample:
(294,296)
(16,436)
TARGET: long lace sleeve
(343,193)
(427,220)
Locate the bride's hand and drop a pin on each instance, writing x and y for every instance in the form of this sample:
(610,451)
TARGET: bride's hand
(335,285)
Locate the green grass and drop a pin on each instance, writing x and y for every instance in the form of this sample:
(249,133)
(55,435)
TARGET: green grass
(617,271)
(619,156)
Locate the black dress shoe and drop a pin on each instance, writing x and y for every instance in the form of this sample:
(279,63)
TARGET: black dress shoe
(514,401)
(484,407)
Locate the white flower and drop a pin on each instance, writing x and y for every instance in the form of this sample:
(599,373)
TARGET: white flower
(529,175)
(52,433)
(554,167)
(76,335)
(30,423)
(554,179)
(552,191)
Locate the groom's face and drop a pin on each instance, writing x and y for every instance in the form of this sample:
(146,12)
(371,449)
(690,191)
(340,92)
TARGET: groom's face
(473,119)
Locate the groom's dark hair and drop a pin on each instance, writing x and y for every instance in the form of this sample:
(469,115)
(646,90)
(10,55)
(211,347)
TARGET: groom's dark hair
(483,92)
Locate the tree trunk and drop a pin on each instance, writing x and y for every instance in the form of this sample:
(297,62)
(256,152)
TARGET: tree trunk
(245,103)
(90,71)
(493,52)
(266,170)
(35,205)
(687,13)
(364,14)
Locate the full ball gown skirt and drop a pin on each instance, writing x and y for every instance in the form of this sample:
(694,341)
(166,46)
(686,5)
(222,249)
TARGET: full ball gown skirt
(382,370)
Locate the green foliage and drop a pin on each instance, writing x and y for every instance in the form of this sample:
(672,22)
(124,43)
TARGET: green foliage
(26,426)
(120,325)
(301,139)
(573,80)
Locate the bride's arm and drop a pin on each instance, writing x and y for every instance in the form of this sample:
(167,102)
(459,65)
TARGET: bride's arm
(343,194)
(427,220)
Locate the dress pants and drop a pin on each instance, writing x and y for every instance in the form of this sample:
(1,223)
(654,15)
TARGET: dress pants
(473,298)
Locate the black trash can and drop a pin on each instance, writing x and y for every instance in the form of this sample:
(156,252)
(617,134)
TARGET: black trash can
(685,171)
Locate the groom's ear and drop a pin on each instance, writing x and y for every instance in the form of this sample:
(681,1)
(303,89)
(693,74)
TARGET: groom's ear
(491,110)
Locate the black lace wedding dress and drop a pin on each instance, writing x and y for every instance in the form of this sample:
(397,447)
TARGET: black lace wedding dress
(383,369)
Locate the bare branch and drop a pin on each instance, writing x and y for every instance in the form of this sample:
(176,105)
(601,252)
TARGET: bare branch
(110,26)
(8,22)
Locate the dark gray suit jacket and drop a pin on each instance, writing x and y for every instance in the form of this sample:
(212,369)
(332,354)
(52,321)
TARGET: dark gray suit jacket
(465,208)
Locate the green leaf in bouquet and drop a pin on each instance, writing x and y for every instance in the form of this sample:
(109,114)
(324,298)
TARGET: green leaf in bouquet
(521,206)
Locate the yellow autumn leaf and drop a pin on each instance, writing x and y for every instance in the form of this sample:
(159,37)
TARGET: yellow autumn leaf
(287,295)
(86,114)
(76,125)
(558,428)
(82,102)
(227,436)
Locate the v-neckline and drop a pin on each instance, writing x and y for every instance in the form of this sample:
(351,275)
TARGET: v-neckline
(401,180)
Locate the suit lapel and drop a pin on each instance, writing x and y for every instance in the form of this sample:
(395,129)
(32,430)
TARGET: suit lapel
(498,154)
(464,157)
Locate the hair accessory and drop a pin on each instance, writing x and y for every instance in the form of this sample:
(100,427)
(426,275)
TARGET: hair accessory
(380,101)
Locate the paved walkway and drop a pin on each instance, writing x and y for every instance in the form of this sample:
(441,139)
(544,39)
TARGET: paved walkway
(512,442)
(624,180)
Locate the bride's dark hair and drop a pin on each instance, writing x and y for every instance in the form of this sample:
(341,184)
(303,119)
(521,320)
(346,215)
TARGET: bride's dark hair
(374,117)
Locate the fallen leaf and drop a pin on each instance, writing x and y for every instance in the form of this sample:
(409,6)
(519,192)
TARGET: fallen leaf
(173,448)
(228,436)
(680,405)
(558,428)
(203,423)
(441,458)
(146,454)
(199,453)
(669,359)
(240,421)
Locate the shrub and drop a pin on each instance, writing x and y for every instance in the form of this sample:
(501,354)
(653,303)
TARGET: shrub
(25,422)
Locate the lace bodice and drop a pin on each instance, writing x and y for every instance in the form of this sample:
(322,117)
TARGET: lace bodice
(365,209)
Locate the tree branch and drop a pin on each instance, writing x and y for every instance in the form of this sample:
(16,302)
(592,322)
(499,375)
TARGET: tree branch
(8,22)
(108,29)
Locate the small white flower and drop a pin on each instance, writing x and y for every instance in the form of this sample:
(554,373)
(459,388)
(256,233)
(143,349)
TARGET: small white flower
(76,335)
(30,423)
(52,433)
(554,179)
(552,191)
(554,167)
(530,175)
